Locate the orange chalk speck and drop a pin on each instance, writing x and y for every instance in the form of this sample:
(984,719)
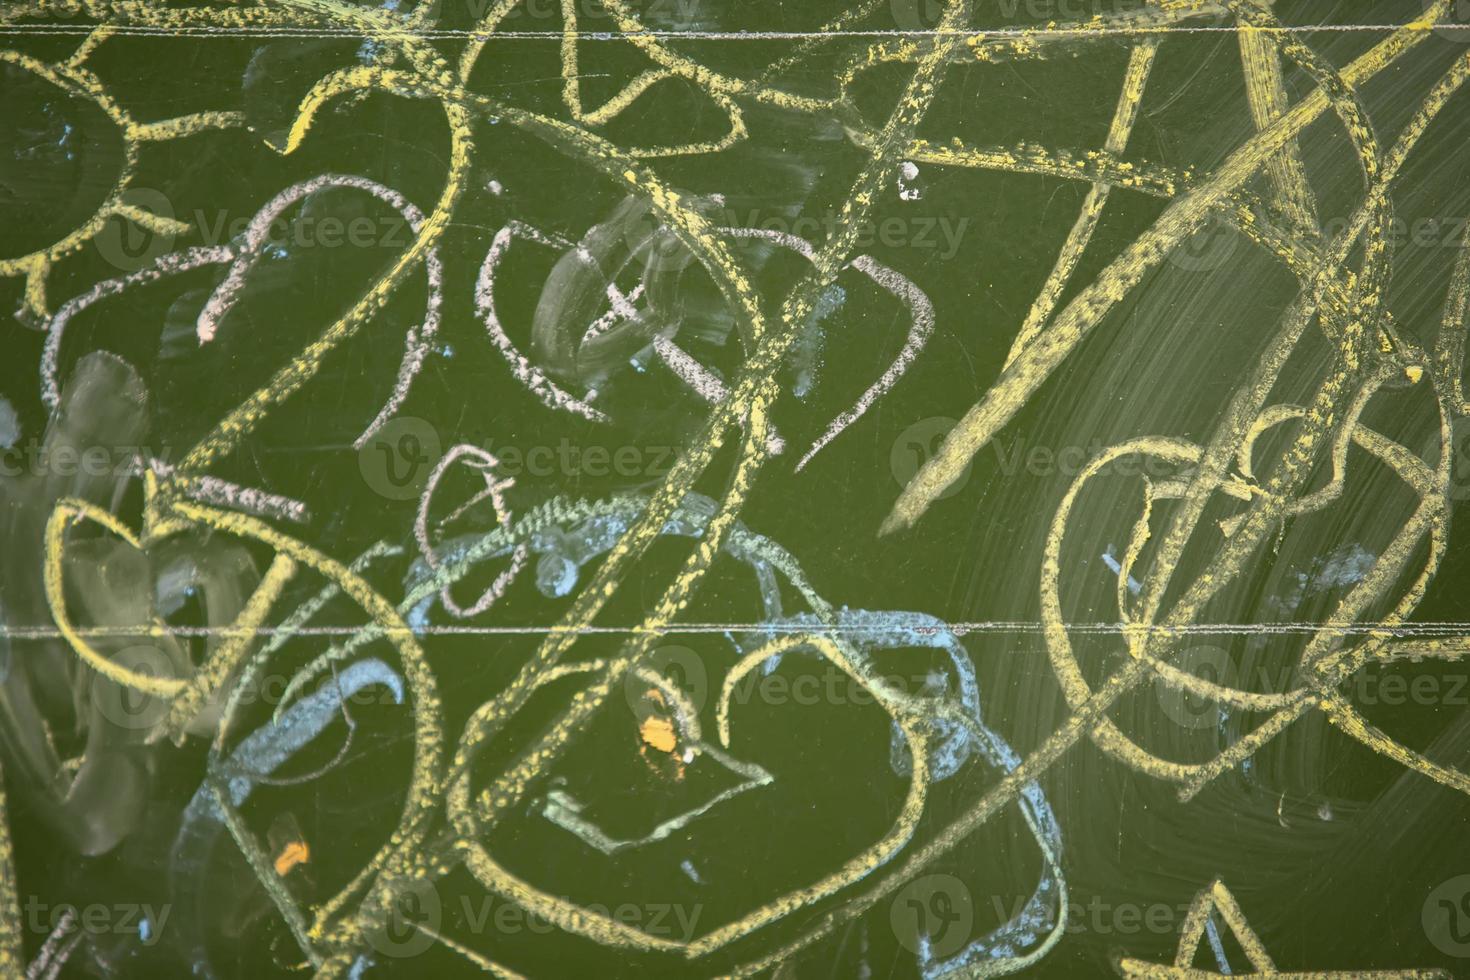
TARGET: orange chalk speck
(658,733)
(291,855)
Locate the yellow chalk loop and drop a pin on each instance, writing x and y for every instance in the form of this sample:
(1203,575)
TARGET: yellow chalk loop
(62,519)
(238,637)
(75,80)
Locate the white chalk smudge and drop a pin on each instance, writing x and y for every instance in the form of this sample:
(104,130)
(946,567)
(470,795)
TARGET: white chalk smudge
(908,187)
(9,424)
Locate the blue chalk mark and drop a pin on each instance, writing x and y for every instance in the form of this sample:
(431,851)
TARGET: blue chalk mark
(1117,567)
(1220,959)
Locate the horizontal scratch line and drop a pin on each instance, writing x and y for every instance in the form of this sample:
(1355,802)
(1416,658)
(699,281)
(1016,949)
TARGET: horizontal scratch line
(959,628)
(449,33)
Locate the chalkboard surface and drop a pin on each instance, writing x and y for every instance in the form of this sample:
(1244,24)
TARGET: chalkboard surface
(906,488)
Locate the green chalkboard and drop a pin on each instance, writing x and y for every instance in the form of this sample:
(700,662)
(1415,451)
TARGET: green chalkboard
(906,488)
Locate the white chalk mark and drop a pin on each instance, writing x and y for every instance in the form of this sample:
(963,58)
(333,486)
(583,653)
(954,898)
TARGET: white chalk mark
(222,493)
(494,489)
(549,392)
(241,257)
(921,325)
(253,245)
(704,382)
(908,175)
(621,308)
(164,265)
